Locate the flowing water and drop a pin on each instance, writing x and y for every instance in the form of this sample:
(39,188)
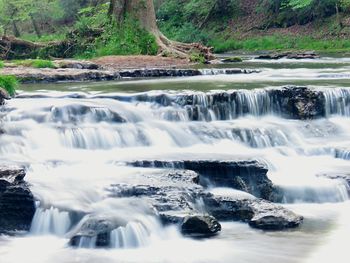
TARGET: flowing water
(75,139)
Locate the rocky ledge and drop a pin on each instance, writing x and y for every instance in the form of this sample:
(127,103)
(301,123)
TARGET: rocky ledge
(17,205)
(248,176)
(177,195)
(292,102)
(258,213)
(91,72)
(289,55)
(177,198)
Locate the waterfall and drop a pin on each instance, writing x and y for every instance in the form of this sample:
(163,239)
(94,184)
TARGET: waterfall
(50,221)
(337,101)
(133,235)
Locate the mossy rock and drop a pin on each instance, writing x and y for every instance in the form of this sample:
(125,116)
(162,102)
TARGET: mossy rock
(232,60)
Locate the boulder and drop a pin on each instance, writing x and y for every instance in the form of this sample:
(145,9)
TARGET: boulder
(200,225)
(3,96)
(17,206)
(298,102)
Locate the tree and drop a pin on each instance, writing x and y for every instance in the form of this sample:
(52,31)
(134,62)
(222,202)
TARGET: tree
(144,12)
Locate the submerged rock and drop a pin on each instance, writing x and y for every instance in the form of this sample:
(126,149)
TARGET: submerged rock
(200,225)
(17,206)
(94,232)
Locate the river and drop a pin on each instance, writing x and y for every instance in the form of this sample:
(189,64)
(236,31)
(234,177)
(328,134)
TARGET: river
(76,140)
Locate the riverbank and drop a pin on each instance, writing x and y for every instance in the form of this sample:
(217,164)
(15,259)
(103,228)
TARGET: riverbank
(111,68)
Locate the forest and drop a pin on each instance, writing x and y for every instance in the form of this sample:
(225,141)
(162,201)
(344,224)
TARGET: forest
(94,28)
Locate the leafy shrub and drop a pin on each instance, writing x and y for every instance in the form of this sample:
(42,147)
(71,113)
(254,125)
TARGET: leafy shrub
(9,83)
(2,64)
(126,39)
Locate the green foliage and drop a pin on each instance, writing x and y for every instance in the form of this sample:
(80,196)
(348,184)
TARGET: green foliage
(197,58)
(35,63)
(45,38)
(289,12)
(186,21)
(2,64)
(9,83)
(281,42)
(126,39)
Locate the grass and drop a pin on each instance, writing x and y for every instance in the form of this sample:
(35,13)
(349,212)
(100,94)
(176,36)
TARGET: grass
(281,42)
(45,38)
(35,63)
(2,64)
(9,83)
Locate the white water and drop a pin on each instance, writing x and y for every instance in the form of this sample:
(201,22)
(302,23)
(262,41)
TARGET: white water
(74,150)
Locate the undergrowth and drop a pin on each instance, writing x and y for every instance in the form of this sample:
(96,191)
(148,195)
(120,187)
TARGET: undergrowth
(9,83)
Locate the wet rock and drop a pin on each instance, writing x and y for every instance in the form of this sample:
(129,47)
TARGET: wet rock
(200,226)
(156,73)
(75,113)
(232,60)
(94,232)
(3,96)
(66,74)
(17,205)
(298,102)
(289,55)
(167,191)
(248,176)
(258,213)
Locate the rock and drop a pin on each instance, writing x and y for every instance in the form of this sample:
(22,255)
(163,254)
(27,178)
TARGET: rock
(156,73)
(75,112)
(248,176)
(166,191)
(3,96)
(200,226)
(289,55)
(292,102)
(298,102)
(232,60)
(84,71)
(94,231)
(17,206)
(303,55)
(77,64)
(258,213)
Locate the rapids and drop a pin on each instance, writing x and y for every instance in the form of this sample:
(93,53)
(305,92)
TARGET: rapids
(76,140)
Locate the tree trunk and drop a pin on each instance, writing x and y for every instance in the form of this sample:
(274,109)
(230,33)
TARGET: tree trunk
(15,29)
(35,26)
(144,12)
